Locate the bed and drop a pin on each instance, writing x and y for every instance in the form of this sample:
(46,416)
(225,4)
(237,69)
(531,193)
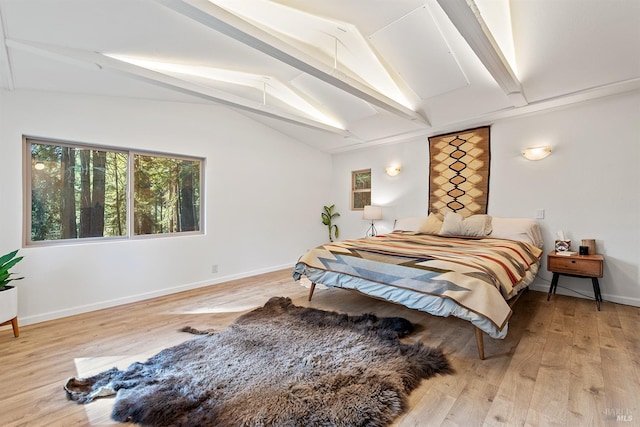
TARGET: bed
(473,268)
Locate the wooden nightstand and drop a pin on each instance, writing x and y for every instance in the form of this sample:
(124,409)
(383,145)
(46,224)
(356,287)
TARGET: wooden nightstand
(586,266)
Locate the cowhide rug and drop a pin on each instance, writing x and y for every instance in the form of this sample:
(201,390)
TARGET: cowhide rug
(279,365)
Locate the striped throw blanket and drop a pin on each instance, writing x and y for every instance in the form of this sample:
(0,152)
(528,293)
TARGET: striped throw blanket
(478,274)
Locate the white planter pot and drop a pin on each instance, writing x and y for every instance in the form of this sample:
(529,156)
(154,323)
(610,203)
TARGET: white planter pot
(8,304)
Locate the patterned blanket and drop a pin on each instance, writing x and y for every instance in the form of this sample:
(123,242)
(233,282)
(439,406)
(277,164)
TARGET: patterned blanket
(477,274)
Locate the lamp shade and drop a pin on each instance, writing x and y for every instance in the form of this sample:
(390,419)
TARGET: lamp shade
(536,153)
(372,212)
(393,170)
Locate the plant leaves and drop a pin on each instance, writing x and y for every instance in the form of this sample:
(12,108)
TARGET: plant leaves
(327,216)
(6,262)
(5,267)
(7,257)
(4,282)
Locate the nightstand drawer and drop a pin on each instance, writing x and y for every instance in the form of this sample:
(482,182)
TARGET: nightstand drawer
(575,265)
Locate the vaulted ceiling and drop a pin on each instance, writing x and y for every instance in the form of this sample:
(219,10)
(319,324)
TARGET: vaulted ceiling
(335,74)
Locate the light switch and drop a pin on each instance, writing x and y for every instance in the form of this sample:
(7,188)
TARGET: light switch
(539,213)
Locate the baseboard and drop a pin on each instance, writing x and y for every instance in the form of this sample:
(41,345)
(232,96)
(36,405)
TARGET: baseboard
(52,315)
(544,287)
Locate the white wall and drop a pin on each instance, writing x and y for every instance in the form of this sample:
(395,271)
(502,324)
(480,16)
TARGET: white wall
(589,186)
(264,195)
(405,194)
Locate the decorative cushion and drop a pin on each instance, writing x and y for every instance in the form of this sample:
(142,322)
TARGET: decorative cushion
(476,225)
(455,225)
(431,225)
(452,224)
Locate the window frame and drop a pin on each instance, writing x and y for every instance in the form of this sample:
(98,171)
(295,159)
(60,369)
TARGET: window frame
(27,140)
(354,190)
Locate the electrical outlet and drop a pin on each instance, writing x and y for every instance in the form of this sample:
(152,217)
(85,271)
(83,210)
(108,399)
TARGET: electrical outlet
(214,268)
(539,213)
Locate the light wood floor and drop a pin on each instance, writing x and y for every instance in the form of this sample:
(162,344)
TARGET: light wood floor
(562,363)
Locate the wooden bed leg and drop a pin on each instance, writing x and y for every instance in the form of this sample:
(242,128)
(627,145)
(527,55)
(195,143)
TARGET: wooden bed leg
(313,288)
(479,343)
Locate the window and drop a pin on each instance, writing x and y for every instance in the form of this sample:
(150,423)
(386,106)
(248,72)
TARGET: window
(360,189)
(166,195)
(77,192)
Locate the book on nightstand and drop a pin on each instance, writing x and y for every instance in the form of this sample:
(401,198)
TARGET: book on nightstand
(567,253)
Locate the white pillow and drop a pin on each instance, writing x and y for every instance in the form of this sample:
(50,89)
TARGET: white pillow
(411,223)
(455,224)
(452,224)
(476,225)
(523,229)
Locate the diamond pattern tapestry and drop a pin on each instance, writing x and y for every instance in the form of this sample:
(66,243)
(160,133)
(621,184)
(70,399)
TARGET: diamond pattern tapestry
(459,172)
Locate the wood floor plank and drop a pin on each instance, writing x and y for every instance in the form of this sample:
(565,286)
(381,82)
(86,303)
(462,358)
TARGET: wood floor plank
(549,404)
(512,400)
(586,406)
(562,362)
(586,388)
(472,405)
(630,322)
(621,385)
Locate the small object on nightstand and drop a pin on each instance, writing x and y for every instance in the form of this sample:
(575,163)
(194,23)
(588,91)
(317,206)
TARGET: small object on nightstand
(566,253)
(584,266)
(563,245)
(591,244)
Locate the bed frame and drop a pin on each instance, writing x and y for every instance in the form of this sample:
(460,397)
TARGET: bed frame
(478,332)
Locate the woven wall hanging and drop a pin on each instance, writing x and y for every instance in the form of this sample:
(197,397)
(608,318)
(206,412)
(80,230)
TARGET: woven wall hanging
(459,172)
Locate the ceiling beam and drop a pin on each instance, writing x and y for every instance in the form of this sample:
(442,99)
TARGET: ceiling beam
(465,16)
(222,21)
(97,61)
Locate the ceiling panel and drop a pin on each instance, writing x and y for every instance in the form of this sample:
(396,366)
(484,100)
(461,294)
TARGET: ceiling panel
(343,104)
(431,69)
(368,15)
(35,72)
(564,46)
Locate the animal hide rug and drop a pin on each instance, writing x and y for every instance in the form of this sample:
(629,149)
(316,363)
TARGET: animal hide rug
(279,365)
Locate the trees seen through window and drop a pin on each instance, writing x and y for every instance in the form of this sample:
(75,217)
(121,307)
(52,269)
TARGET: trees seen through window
(79,191)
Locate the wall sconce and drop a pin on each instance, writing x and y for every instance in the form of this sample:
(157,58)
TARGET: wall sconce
(536,153)
(372,213)
(392,170)
(38,166)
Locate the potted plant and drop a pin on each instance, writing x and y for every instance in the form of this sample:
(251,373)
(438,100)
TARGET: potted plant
(327,219)
(9,294)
